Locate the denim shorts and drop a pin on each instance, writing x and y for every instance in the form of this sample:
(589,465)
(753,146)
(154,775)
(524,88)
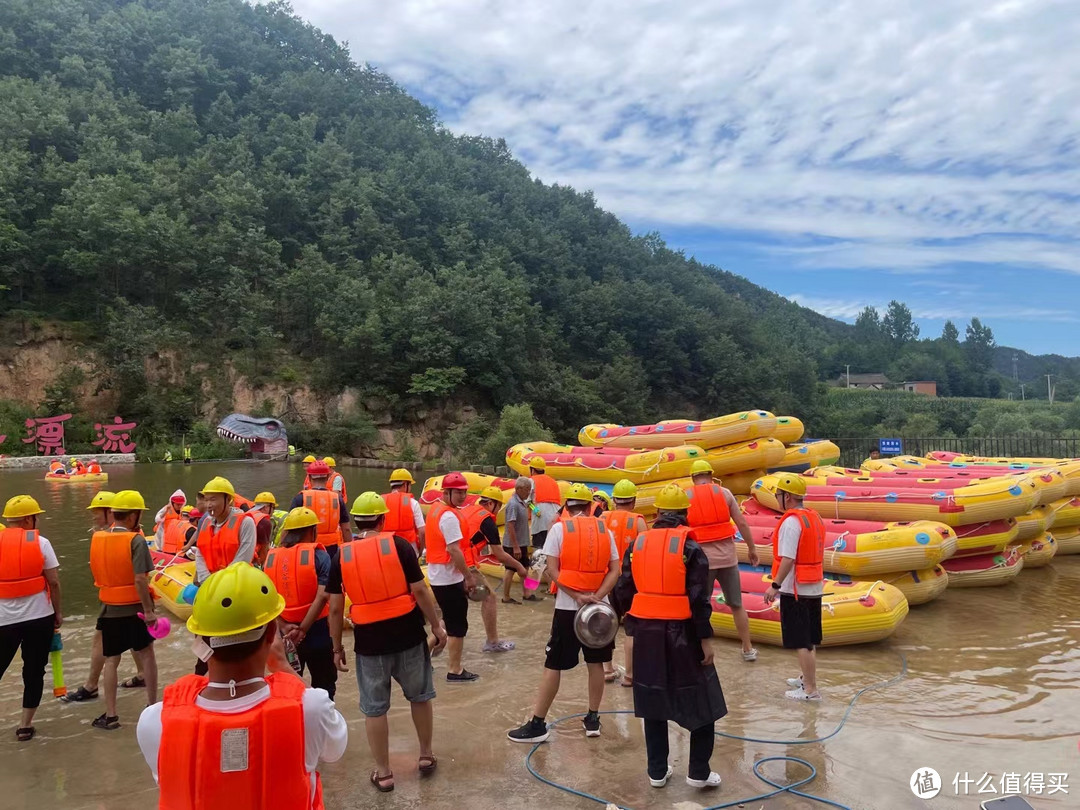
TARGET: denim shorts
(411,669)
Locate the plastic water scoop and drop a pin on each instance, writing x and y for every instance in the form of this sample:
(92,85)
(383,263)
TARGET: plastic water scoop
(159,629)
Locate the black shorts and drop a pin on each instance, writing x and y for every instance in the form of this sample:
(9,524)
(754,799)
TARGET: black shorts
(524,557)
(800,621)
(118,635)
(563,646)
(454,604)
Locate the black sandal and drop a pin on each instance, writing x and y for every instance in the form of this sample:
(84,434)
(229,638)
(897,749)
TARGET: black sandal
(136,682)
(378,781)
(25,734)
(428,768)
(80,694)
(107,723)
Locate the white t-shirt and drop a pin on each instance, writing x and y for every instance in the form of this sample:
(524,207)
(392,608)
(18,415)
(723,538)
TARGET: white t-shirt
(417,513)
(446,573)
(36,605)
(339,484)
(325,730)
(788,546)
(553,548)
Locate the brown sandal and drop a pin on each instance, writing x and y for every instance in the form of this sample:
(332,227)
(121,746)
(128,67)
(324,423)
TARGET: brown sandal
(379,781)
(430,766)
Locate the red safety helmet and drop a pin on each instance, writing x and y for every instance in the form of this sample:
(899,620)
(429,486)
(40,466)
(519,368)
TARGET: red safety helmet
(194,514)
(454,480)
(317,468)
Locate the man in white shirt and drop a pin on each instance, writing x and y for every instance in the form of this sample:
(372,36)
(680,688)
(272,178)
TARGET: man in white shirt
(198,713)
(30,611)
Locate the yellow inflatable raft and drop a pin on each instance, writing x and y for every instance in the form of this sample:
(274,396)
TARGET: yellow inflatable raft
(984,570)
(789,429)
(85,478)
(729,429)
(851,612)
(1068,542)
(1038,552)
(1066,514)
(1034,523)
(167,583)
(991,537)
(919,587)
(803,456)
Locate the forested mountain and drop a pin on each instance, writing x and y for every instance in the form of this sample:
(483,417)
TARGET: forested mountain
(223,180)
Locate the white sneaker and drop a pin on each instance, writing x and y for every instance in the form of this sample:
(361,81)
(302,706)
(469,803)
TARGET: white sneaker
(795,683)
(712,782)
(802,694)
(749,655)
(659,783)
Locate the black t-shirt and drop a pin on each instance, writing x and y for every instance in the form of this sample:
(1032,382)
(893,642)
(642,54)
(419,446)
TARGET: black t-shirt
(488,534)
(391,635)
(298,500)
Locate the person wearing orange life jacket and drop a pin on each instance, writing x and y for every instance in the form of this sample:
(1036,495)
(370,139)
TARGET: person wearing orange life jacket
(712,510)
(93,468)
(625,526)
(328,505)
(227,535)
(300,569)
(307,462)
(101,517)
(272,731)
(336,481)
(180,535)
(483,538)
(798,577)
(380,574)
(601,503)
(545,501)
(170,512)
(448,569)
(120,562)
(261,512)
(30,607)
(665,590)
(405,519)
(583,562)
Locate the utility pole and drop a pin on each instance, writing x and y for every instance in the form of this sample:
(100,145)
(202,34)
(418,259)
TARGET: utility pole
(1022,397)
(847,368)
(1016,375)
(1049,389)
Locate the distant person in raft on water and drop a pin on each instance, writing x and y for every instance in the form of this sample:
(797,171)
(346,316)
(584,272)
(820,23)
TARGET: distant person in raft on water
(665,590)
(328,505)
(798,576)
(268,733)
(405,518)
(713,509)
(100,509)
(381,576)
(120,562)
(625,526)
(30,606)
(300,569)
(517,539)
(545,501)
(583,563)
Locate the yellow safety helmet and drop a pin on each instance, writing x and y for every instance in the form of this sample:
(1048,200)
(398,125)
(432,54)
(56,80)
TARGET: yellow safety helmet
(579,492)
(537,463)
(218,486)
(369,504)
(700,466)
(492,494)
(604,497)
(791,483)
(186,509)
(266,497)
(329,461)
(21,506)
(308,459)
(672,497)
(232,603)
(625,489)
(128,500)
(103,500)
(401,474)
(300,518)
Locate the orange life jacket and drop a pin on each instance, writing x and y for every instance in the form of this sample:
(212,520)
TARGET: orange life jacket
(212,761)
(659,572)
(585,554)
(399,520)
(327,507)
(21,564)
(93,468)
(175,536)
(334,476)
(437,552)
(709,516)
(472,516)
(546,489)
(218,545)
(625,526)
(811,554)
(169,516)
(110,563)
(242,503)
(294,575)
(80,469)
(373,579)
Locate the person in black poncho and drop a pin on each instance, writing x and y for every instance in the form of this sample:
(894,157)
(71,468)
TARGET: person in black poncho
(664,591)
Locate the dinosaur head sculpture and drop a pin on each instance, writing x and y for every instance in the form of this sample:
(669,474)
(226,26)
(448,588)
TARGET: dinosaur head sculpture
(263,435)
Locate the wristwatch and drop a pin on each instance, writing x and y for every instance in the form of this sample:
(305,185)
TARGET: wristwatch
(774,585)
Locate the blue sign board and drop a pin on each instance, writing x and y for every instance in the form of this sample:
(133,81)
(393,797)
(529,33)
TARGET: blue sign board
(890,447)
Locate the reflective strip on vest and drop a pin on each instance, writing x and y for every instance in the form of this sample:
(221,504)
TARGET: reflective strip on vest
(585,556)
(658,567)
(327,507)
(21,564)
(374,581)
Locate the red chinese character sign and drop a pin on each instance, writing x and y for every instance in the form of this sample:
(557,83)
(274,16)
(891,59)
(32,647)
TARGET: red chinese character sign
(48,432)
(115,438)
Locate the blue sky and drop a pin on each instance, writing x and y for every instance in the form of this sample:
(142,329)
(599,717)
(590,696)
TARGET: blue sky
(840,153)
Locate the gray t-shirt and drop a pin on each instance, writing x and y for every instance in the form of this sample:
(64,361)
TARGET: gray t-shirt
(517,523)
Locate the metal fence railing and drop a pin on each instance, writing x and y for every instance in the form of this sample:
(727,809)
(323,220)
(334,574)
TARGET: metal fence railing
(854,451)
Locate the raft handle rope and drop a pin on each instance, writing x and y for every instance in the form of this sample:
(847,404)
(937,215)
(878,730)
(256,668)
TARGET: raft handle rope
(791,789)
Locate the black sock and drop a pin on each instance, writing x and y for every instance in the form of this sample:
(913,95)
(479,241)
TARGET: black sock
(537,719)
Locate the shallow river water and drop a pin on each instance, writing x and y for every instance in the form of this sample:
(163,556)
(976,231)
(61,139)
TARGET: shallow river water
(992,690)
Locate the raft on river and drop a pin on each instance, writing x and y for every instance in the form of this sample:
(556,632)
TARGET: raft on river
(84,478)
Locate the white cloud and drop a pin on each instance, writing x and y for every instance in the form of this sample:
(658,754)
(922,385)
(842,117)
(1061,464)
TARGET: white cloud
(847,309)
(875,123)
